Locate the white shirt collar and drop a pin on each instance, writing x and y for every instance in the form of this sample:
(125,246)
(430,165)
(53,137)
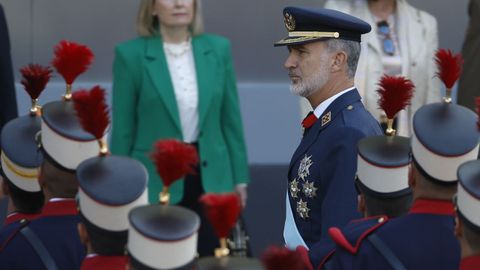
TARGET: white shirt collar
(324,105)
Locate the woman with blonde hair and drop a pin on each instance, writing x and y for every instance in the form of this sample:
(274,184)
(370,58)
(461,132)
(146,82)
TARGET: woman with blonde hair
(176,82)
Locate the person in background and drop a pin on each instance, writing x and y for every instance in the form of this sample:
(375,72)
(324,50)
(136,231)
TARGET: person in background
(175,81)
(468,87)
(402,42)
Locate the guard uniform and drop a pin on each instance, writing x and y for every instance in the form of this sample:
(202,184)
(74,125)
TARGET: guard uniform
(162,237)
(52,239)
(109,187)
(321,175)
(444,136)
(468,206)
(382,173)
(21,159)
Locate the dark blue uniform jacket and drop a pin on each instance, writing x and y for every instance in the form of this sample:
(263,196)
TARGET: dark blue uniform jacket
(322,170)
(56,228)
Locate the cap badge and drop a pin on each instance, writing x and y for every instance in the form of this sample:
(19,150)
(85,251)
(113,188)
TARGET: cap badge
(304,168)
(289,21)
(326,118)
(302,209)
(294,188)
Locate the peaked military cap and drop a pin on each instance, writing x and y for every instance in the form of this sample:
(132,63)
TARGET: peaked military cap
(383,165)
(228,263)
(109,187)
(312,24)
(63,139)
(20,155)
(162,237)
(468,195)
(444,136)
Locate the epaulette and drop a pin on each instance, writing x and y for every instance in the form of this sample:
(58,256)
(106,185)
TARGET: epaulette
(16,227)
(351,236)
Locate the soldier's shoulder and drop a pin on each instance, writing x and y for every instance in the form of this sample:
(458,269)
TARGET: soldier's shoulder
(351,236)
(10,232)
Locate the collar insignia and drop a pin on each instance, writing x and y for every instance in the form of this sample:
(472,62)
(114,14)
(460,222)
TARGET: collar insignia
(326,118)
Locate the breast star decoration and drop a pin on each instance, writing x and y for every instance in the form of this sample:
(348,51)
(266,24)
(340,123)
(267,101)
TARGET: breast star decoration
(302,209)
(294,188)
(304,168)
(309,189)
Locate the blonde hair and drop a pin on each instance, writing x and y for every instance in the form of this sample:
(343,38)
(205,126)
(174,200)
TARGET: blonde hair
(147,24)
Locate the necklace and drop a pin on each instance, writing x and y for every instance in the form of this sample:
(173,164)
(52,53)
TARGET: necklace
(177,49)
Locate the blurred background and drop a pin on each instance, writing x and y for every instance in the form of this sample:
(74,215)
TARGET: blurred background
(270,113)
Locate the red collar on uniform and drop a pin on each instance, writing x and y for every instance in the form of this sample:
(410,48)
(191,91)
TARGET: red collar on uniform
(470,263)
(64,207)
(427,206)
(104,262)
(16,216)
(309,120)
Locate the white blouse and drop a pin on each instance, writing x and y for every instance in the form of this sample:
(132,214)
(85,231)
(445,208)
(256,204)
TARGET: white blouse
(181,65)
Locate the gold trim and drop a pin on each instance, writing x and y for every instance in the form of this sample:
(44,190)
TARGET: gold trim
(12,168)
(223,250)
(448,96)
(294,40)
(68,92)
(313,34)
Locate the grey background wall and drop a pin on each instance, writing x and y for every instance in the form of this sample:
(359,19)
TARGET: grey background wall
(270,112)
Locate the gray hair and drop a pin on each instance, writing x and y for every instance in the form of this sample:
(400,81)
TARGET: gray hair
(351,48)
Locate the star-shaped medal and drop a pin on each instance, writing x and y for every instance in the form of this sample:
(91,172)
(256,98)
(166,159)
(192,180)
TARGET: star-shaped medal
(294,188)
(304,168)
(309,190)
(302,209)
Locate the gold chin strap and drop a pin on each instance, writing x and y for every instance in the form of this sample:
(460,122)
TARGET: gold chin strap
(313,34)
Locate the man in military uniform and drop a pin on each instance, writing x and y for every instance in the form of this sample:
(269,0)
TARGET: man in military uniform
(109,187)
(51,241)
(382,182)
(324,46)
(467,226)
(444,136)
(21,159)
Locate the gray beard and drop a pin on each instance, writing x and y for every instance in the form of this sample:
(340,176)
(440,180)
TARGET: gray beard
(306,87)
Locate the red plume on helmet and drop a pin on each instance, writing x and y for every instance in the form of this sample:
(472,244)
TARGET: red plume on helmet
(395,94)
(35,78)
(281,258)
(173,160)
(449,66)
(71,59)
(222,210)
(92,110)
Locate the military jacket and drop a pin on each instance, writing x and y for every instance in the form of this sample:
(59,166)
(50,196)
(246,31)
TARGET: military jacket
(422,239)
(56,227)
(348,241)
(321,175)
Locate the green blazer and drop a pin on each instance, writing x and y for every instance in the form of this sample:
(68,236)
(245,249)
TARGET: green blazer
(144,110)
